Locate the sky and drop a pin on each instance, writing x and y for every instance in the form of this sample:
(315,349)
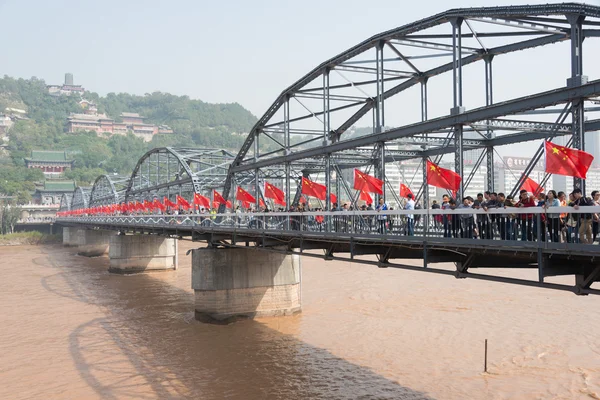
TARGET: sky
(232,51)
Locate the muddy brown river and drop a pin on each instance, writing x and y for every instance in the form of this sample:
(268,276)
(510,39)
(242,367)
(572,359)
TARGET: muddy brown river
(71,330)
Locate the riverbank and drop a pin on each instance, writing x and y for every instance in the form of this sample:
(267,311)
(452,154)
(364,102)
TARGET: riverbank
(28,238)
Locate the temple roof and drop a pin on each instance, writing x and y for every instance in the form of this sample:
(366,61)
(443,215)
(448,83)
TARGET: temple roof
(47,155)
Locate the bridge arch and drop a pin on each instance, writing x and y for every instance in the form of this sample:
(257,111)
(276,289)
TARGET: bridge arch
(374,81)
(81,198)
(65,202)
(167,172)
(108,190)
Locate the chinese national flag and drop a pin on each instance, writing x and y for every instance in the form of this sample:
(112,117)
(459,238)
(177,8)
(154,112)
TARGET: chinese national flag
(367,183)
(218,198)
(201,200)
(273,192)
(168,202)
(332,198)
(245,204)
(158,205)
(531,186)
(442,177)
(313,189)
(302,200)
(405,190)
(564,161)
(148,205)
(244,196)
(183,202)
(366,197)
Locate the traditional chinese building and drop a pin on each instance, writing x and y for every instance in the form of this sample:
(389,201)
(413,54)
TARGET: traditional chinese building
(52,191)
(103,125)
(67,89)
(52,163)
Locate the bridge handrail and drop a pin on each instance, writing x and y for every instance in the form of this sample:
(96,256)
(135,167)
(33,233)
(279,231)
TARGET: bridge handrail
(491,211)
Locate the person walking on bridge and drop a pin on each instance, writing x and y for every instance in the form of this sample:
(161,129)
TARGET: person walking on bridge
(381,218)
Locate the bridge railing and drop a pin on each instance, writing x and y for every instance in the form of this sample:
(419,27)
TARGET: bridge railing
(555,226)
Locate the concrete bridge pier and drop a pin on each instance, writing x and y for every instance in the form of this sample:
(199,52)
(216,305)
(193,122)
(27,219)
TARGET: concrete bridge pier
(234,283)
(89,242)
(139,253)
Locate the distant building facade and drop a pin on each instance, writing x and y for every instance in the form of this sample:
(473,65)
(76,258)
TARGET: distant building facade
(67,89)
(52,191)
(105,126)
(52,163)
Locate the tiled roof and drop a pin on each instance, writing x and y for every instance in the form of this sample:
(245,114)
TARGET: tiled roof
(44,155)
(59,186)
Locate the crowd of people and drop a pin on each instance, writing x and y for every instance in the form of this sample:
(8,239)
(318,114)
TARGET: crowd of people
(511,224)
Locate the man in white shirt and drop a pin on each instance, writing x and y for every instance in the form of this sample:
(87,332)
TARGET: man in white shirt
(410,218)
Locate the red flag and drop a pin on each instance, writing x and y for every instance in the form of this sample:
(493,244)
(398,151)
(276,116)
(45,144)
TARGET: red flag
(313,189)
(366,197)
(159,205)
(242,195)
(442,177)
(139,206)
(273,192)
(201,200)
(168,202)
(564,161)
(183,203)
(332,198)
(261,203)
(245,204)
(367,183)
(531,186)
(405,190)
(148,205)
(302,200)
(218,198)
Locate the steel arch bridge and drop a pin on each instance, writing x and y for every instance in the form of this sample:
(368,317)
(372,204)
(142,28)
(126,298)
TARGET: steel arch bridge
(368,85)
(80,198)
(425,91)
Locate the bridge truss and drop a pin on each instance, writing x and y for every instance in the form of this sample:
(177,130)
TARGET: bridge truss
(385,84)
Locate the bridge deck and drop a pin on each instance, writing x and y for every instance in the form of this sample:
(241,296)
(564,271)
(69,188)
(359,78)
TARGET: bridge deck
(349,236)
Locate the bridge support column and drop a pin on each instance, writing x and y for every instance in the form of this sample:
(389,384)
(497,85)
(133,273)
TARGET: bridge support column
(70,235)
(244,283)
(90,243)
(138,253)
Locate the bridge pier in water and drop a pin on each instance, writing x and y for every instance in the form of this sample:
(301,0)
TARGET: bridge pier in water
(231,283)
(139,253)
(89,242)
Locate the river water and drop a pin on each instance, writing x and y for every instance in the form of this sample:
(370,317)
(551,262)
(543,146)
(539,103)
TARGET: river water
(71,330)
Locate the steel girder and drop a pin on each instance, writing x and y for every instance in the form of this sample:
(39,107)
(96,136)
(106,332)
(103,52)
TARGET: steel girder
(402,67)
(65,202)
(108,190)
(81,198)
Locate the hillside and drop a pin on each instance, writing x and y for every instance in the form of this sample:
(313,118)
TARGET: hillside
(194,122)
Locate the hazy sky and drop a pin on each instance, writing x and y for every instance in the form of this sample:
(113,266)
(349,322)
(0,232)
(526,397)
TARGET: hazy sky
(229,51)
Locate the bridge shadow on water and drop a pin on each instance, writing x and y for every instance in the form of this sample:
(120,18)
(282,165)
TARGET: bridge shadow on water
(148,345)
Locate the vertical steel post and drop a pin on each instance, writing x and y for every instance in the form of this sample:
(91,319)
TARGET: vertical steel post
(425,199)
(458,100)
(256,181)
(379,105)
(380,115)
(424,99)
(326,129)
(286,142)
(489,100)
(577,79)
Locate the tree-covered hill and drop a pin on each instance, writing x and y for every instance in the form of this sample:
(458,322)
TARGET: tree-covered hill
(194,122)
